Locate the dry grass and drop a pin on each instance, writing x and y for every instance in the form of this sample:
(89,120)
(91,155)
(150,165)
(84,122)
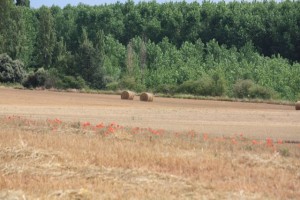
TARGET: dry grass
(57,160)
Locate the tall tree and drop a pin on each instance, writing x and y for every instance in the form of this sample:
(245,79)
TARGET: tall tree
(89,60)
(23,3)
(46,39)
(12,29)
(98,73)
(5,10)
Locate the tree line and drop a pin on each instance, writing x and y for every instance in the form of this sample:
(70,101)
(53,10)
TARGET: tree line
(241,49)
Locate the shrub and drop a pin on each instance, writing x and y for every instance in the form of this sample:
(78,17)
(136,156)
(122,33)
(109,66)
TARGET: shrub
(257,91)
(72,82)
(130,83)
(220,84)
(139,87)
(40,78)
(98,80)
(36,79)
(112,86)
(203,87)
(127,82)
(241,88)
(248,89)
(188,87)
(166,89)
(11,71)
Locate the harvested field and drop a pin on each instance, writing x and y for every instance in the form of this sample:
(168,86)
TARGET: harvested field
(86,146)
(213,117)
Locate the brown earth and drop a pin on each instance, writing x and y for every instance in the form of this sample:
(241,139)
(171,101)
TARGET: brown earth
(254,120)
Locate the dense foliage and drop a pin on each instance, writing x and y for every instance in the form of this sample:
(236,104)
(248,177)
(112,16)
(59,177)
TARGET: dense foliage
(11,71)
(203,49)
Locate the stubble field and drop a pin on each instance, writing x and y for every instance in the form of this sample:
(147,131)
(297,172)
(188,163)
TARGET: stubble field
(59,145)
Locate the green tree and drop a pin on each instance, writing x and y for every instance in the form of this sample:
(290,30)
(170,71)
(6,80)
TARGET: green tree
(7,26)
(114,59)
(89,61)
(63,60)
(132,20)
(17,31)
(46,38)
(98,73)
(23,3)
(5,9)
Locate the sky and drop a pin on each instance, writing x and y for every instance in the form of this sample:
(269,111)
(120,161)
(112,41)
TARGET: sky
(61,3)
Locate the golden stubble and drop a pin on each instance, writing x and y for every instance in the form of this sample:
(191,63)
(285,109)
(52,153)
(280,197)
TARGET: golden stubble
(75,161)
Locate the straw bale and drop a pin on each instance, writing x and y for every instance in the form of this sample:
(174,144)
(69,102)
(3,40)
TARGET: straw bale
(297,105)
(129,95)
(146,97)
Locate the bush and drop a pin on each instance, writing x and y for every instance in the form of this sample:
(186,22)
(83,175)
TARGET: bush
(248,89)
(98,80)
(220,84)
(11,71)
(139,87)
(53,79)
(127,82)
(241,88)
(112,86)
(188,87)
(166,89)
(261,92)
(40,78)
(130,83)
(72,82)
(206,86)
(36,79)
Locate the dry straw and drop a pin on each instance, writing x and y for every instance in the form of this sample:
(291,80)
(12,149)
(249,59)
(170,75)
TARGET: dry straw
(146,97)
(127,95)
(297,105)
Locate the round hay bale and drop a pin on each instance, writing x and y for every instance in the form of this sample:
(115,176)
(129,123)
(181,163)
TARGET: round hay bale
(297,105)
(146,97)
(127,95)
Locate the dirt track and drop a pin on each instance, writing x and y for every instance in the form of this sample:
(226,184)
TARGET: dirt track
(213,117)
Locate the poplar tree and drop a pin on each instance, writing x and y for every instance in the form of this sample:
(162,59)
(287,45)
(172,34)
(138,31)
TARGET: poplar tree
(46,39)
